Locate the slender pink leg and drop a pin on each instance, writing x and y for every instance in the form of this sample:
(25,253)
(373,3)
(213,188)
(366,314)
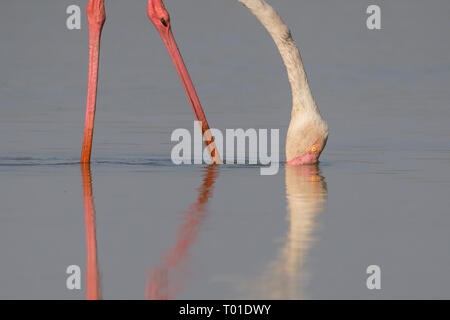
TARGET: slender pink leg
(160,18)
(96,17)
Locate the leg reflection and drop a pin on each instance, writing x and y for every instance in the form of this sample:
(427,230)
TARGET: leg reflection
(93,291)
(167,280)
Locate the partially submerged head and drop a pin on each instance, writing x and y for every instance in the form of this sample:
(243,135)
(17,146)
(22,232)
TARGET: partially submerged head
(305,141)
(311,156)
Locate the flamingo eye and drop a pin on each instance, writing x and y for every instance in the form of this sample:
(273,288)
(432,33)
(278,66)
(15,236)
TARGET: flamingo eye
(164,22)
(314,149)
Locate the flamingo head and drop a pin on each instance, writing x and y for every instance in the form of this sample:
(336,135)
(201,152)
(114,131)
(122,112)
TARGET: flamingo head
(305,140)
(311,156)
(159,15)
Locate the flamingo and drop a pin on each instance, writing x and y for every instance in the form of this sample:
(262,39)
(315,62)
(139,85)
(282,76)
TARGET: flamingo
(157,13)
(308,132)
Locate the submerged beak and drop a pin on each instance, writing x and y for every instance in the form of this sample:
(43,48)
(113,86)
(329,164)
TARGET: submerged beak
(171,45)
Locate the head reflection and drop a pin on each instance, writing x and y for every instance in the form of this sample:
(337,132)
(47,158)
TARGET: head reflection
(167,280)
(93,291)
(286,277)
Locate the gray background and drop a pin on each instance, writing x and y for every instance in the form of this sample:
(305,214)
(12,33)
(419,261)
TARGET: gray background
(385,95)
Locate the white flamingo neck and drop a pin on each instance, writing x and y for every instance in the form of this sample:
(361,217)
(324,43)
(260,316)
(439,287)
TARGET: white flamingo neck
(302,99)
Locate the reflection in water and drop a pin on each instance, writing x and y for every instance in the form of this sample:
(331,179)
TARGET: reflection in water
(283,278)
(93,291)
(167,280)
(306,193)
(158,284)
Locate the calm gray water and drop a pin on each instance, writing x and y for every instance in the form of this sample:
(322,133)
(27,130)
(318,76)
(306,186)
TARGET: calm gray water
(379,197)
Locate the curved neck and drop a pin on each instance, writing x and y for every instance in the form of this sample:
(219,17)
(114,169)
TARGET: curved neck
(269,18)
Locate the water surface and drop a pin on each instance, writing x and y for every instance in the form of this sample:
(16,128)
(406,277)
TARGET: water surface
(141,227)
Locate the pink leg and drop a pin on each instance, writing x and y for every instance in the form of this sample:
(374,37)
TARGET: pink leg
(96,17)
(160,18)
